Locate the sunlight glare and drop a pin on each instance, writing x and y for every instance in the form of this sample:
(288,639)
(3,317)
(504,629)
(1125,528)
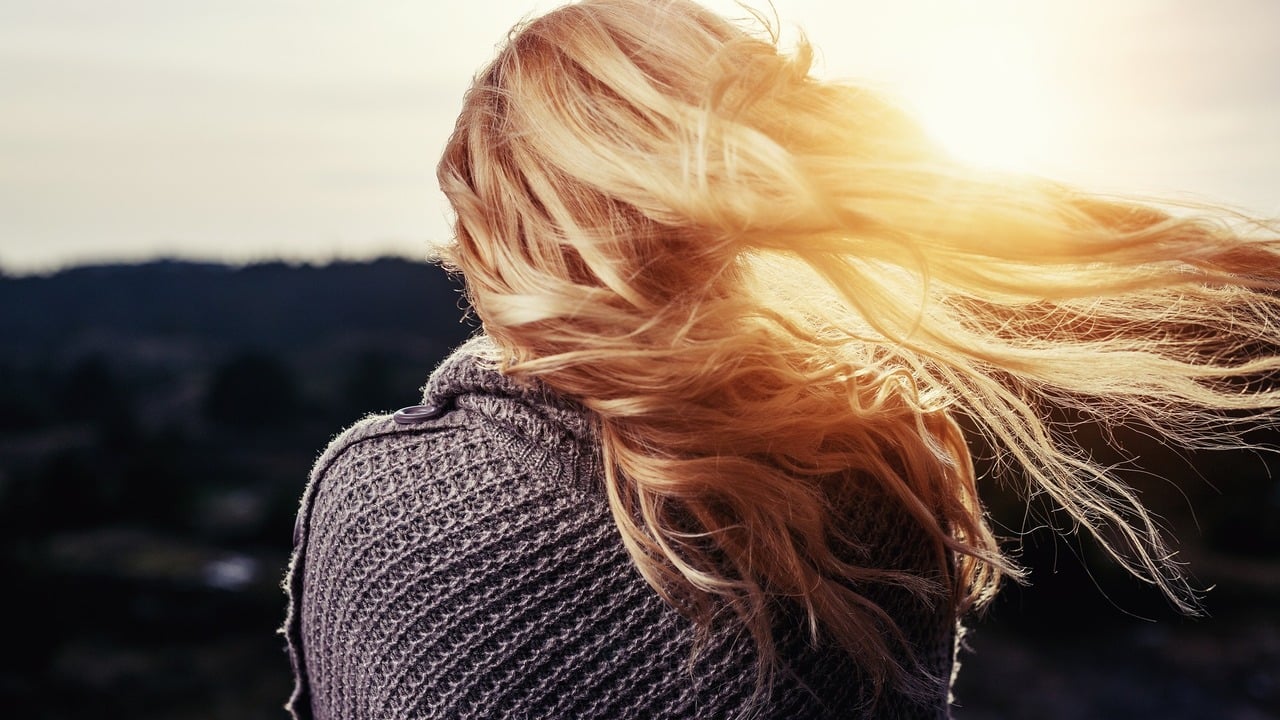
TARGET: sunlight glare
(987,99)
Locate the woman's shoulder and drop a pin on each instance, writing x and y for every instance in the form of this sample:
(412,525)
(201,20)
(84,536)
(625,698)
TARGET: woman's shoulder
(416,441)
(444,461)
(381,463)
(472,422)
(423,527)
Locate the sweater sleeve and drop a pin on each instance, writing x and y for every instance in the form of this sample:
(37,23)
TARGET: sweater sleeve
(442,573)
(299,703)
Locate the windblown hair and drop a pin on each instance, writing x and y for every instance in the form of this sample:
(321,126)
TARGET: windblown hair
(780,300)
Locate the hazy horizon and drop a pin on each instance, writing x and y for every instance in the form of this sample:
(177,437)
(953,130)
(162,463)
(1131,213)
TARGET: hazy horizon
(306,132)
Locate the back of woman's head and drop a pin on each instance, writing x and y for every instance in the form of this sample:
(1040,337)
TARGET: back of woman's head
(618,156)
(776,295)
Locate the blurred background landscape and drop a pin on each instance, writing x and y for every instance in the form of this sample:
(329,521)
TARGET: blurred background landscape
(157,423)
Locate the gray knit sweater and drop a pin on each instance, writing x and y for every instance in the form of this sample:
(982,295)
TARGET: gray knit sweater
(459,560)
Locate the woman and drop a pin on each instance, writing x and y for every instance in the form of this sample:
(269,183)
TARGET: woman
(707,458)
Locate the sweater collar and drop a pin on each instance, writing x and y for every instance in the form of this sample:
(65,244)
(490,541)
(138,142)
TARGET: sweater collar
(469,379)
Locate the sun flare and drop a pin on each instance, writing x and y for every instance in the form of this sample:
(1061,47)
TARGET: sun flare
(988,99)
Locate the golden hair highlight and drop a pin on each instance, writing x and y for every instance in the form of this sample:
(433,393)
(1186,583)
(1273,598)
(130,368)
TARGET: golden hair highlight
(779,299)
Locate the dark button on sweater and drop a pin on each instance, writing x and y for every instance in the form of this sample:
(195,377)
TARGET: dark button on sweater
(416,414)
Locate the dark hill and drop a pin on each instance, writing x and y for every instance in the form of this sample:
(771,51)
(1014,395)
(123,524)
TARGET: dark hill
(273,306)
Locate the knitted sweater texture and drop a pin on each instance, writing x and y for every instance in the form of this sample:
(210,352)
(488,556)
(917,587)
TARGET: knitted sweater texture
(463,563)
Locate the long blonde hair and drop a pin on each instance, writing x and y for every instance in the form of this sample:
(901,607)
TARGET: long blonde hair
(779,299)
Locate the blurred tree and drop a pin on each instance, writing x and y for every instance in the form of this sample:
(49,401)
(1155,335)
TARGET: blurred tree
(24,399)
(159,483)
(91,392)
(70,490)
(368,385)
(88,389)
(252,390)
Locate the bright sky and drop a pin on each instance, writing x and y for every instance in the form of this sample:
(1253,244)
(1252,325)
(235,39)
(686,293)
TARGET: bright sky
(309,129)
